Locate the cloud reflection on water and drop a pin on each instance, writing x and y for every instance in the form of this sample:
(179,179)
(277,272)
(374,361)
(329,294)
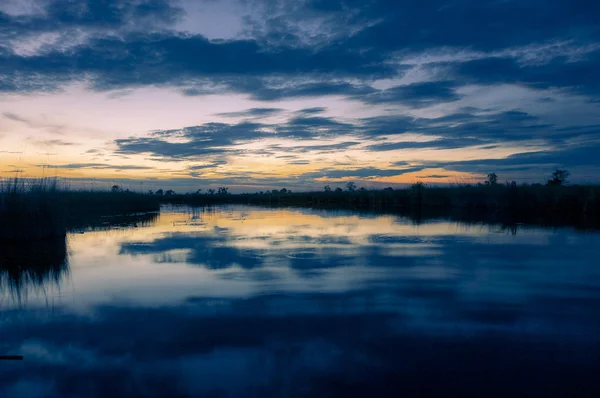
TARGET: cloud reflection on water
(292,303)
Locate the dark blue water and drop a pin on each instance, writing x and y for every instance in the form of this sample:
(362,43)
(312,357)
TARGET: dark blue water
(298,303)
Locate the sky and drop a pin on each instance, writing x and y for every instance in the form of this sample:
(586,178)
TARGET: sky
(262,94)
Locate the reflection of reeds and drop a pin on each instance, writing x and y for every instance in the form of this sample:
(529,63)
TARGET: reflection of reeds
(32,264)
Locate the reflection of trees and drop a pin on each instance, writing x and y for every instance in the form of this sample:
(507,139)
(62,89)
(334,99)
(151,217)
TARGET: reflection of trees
(32,264)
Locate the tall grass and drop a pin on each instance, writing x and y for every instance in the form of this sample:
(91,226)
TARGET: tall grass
(31,209)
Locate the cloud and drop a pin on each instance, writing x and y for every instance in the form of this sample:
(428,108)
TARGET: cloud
(434,176)
(468,125)
(101,166)
(51,143)
(312,111)
(416,95)
(207,165)
(256,112)
(449,143)
(89,15)
(316,149)
(139,59)
(578,76)
(14,117)
(367,172)
(484,25)
(459,75)
(222,138)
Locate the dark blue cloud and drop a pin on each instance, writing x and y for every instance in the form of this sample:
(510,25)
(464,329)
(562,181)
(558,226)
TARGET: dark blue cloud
(579,76)
(105,15)
(561,157)
(471,127)
(485,24)
(312,111)
(367,172)
(316,149)
(252,112)
(449,143)
(143,55)
(218,138)
(416,95)
(176,59)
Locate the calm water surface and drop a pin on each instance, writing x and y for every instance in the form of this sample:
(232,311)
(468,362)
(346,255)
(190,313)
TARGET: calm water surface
(244,301)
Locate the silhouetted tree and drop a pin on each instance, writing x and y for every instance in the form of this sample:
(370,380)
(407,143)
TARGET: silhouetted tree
(116,188)
(211,191)
(363,189)
(388,189)
(283,190)
(327,188)
(351,187)
(222,191)
(198,192)
(160,192)
(150,192)
(492,179)
(170,192)
(559,177)
(338,189)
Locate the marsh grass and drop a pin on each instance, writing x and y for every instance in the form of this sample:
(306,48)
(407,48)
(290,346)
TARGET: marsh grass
(31,209)
(34,209)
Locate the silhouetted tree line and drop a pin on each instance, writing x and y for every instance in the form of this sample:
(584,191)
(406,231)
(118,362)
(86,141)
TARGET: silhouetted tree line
(555,202)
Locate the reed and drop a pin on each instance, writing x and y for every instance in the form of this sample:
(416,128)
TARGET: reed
(31,209)
(34,209)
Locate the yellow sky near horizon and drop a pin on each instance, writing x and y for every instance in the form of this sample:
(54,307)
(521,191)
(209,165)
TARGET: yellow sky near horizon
(71,134)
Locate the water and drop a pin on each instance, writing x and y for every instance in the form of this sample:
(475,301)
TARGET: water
(244,301)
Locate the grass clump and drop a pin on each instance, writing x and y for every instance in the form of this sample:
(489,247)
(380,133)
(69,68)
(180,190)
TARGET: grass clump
(31,209)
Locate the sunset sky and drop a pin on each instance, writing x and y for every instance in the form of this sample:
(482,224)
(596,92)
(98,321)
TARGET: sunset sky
(258,94)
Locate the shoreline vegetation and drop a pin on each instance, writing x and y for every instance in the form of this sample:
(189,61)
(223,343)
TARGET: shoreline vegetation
(554,203)
(36,209)
(36,215)
(46,208)
(577,206)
